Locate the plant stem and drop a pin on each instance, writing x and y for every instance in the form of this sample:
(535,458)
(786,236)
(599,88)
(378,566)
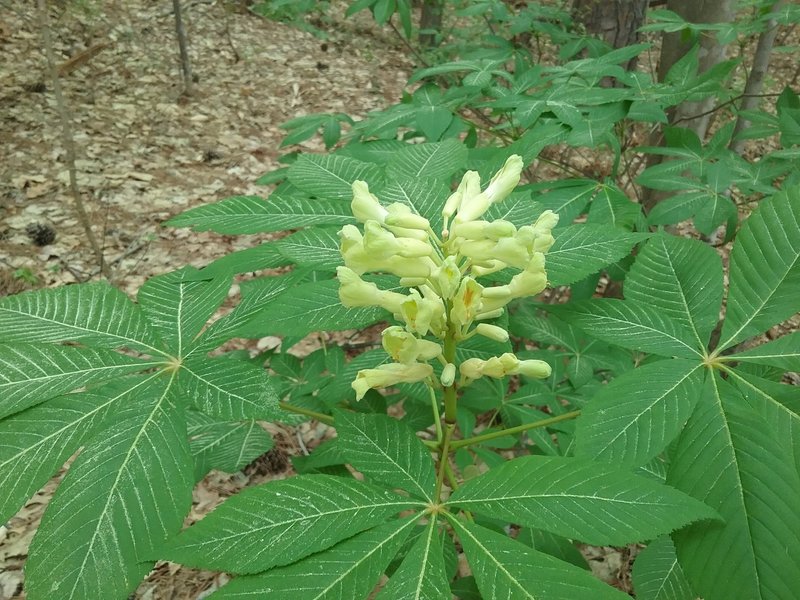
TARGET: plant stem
(513,430)
(436,417)
(443,456)
(306,412)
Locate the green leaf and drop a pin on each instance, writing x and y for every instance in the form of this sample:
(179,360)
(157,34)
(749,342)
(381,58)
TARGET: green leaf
(630,325)
(433,121)
(765,269)
(675,209)
(633,418)
(225,447)
(728,457)
(316,247)
(504,569)
(349,569)
(783,353)
(388,451)
(308,307)
(128,490)
(437,160)
(331,176)
(229,389)
(421,575)
(38,441)
(33,373)
(251,214)
(611,205)
(257,258)
(682,279)
(579,499)
(554,545)
(425,197)
(582,250)
(178,309)
(778,404)
(568,201)
(257,293)
(657,574)
(91,313)
(282,521)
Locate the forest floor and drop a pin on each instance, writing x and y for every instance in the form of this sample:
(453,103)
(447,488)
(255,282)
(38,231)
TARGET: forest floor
(146,152)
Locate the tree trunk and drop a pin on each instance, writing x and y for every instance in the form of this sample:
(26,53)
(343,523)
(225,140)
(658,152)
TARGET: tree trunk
(431,19)
(615,21)
(180,31)
(674,46)
(755,80)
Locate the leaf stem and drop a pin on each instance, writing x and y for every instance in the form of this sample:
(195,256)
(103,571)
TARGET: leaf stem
(437,420)
(513,430)
(306,412)
(444,454)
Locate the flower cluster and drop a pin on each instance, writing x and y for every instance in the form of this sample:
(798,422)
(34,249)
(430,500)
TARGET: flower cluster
(444,299)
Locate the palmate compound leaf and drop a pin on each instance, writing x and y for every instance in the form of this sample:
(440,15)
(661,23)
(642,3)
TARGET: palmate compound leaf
(764,269)
(422,574)
(682,279)
(633,418)
(224,446)
(579,499)
(581,250)
(92,313)
(506,569)
(657,575)
(633,325)
(229,389)
(728,457)
(33,373)
(128,490)
(350,569)
(249,214)
(387,451)
(179,308)
(280,522)
(36,442)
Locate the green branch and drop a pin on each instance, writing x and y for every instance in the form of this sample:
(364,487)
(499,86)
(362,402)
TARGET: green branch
(306,412)
(512,430)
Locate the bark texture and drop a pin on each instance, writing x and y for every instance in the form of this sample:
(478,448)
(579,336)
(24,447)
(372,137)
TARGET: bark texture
(674,46)
(615,21)
(431,19)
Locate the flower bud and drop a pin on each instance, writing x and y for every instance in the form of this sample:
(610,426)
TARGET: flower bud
(493,332)
(400,215)
(534,368)
(448,375)
(380,242)
(505,180)
(355,292)
(388,375)
(365,206)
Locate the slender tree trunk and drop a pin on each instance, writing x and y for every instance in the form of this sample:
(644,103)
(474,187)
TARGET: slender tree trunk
(616,21)
(431,19)
(186,65)
(693,115)
(755,80)
(67,137)
(675,46)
